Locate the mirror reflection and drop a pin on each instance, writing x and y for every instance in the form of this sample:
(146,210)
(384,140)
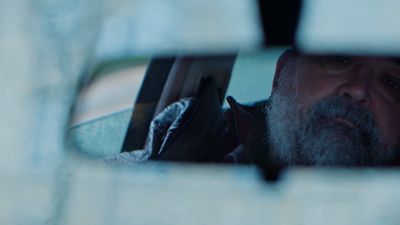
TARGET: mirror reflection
(275,108)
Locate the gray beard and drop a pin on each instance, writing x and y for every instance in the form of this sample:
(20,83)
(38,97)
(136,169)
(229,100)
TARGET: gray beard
(325,141)
(313,137)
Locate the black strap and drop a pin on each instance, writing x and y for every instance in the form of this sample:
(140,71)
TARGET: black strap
(146,103)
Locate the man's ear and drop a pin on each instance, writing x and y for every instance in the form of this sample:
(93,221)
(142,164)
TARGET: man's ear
(281,63)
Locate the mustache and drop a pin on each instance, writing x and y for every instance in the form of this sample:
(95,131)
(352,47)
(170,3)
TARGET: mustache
(338,107)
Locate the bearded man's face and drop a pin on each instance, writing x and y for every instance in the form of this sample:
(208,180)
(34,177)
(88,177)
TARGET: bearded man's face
(335,110)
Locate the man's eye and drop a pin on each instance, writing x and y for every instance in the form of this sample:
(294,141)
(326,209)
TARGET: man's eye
(344,60)
(392,83)
(337,63)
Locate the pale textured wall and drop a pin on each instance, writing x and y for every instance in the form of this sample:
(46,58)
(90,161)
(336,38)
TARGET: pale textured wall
(92,193)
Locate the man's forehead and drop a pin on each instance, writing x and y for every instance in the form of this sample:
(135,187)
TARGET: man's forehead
(388,59)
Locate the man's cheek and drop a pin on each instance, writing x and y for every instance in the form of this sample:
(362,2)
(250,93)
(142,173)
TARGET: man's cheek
(389,127)
(387,118)
(307,95)
(309,91)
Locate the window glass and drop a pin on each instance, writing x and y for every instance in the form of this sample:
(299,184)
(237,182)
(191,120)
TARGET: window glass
(252,75)
(103,109)
(113,88)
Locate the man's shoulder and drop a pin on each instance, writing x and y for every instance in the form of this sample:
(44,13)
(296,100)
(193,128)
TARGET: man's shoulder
(182,132)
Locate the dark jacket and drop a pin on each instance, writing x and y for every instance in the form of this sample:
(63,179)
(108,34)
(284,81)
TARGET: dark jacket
(199,130)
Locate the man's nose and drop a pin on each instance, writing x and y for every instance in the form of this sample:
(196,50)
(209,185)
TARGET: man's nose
(356,90)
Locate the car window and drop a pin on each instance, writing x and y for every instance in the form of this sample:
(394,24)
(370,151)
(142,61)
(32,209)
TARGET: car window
(113,87)
(103,108)
(252,75)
